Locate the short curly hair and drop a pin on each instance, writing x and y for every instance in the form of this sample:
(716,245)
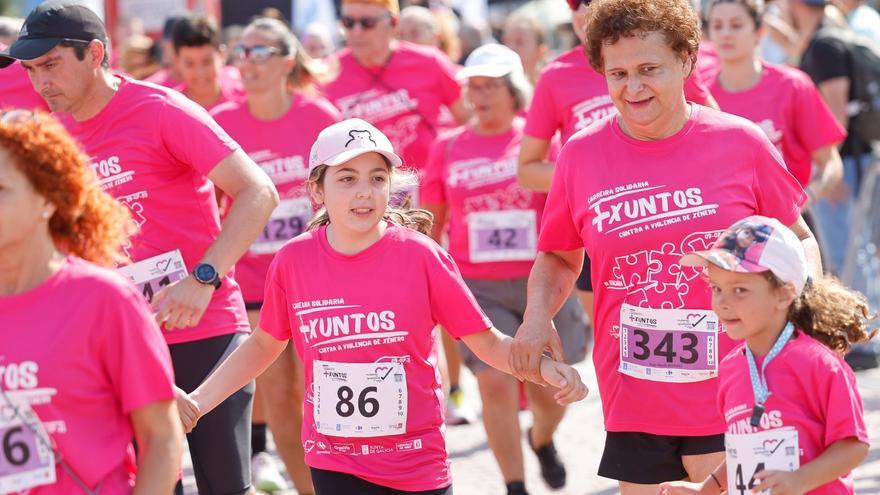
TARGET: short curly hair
(87,222)
(610,20)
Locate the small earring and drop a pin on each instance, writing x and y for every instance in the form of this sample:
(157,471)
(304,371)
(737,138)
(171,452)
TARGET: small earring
(46,215)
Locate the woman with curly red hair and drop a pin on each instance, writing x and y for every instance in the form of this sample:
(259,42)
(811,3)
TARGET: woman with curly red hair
(84,367)
(636,190)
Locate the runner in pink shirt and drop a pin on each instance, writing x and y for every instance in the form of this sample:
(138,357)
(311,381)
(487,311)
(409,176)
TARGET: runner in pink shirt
(782,100)
(161,155)
(492,225)
(793,413)
(362,312)
(84,368)
(397,86)
(200,58)
(665,176)
(276,126)
(168,75)
(16,90)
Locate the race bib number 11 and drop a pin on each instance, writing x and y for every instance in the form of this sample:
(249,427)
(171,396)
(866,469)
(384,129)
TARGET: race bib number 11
(152,274)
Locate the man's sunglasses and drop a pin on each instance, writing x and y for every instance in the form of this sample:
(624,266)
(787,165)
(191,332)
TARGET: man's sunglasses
(349,22)
(258,54)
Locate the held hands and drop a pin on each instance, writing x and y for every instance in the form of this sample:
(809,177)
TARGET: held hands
(188,409)
(182,304)
(528,346)
(779,483)
(566,379)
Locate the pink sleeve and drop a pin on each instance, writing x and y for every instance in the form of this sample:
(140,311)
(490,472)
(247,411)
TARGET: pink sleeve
(815,125)
(778,194)
(432,191)
(558,231)
(844,414)
(191,136)
(134,353)
(329,113)
(273,315)
(452,304)
(542,121)
(450,89)
(695,90)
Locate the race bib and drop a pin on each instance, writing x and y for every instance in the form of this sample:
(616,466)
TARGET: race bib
(360,399)
(750,453)
(152,274)
(26,461)
(668,345)
(288,220)
(509,235)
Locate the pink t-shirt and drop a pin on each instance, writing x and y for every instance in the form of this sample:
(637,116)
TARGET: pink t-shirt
(379,306)
(402,98)
(471,174)
(640,206)
(811,389)
(570,95)
(84,351)
(281,148)
(151,148)
(231,88)
(16,90)
(787,106)
(162,77)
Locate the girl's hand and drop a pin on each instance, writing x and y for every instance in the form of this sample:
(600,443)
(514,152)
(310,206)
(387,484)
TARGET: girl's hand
(188,409)
(683,488)
(779,483)
(566,379)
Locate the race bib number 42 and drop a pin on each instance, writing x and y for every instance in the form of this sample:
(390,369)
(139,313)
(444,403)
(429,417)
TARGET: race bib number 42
(152,274)
(25,460)
(360,399)
(509,235)
(749,454)
(668,345)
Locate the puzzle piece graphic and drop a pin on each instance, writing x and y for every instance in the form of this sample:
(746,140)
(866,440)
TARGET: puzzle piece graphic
(635,270)
(668,259)
(663,296)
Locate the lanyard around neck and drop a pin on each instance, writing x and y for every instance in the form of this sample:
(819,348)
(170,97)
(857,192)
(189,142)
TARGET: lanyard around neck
(759,381)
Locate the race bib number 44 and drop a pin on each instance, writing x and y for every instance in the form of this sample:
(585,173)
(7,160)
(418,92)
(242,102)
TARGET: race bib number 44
(509,235)
(668,345)
(749,454)
(360,399)
(288,220)
(152,274)
(25,460)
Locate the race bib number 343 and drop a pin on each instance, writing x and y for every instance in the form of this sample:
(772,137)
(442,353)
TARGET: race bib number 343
(360,399)
(749,454)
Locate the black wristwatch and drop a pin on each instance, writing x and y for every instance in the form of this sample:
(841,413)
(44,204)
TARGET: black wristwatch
(206,274)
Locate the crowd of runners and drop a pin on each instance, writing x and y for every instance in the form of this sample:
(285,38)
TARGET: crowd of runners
(314,247)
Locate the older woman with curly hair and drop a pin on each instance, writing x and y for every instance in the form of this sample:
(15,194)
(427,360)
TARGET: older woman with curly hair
(84,368)
(637,189)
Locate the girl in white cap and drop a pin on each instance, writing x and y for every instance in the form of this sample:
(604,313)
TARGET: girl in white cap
(360,294)
(794,415)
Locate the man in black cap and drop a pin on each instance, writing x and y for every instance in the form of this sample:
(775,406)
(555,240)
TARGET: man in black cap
(161,155)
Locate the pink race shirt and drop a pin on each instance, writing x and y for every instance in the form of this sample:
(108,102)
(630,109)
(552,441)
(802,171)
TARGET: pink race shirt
(83,350)
(474,176)
(640,206)
(162,77)
(281,148)
(811,389)
(787,106)
(402,98)
(364,328)
(151,148)
(16,90)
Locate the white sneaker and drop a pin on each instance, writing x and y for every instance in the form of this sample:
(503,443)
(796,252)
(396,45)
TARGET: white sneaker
(265,474)
(458,412)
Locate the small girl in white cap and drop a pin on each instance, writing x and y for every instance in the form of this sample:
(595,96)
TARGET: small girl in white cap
(360,294)
(794,415)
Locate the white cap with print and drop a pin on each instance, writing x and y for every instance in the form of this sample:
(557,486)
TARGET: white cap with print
(342,141)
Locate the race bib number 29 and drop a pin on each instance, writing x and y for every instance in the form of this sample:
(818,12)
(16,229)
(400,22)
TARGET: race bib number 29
(360,399)
(25,461)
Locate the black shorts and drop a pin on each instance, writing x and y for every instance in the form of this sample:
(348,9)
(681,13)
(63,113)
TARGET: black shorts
(253,306)
(336,483)
(649,459)
(584,281)
(220,445)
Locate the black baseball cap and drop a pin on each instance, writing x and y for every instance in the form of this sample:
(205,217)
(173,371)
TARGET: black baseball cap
(51,23)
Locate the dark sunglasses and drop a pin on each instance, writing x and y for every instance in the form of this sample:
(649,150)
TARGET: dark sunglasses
(349,22)
(258,54)
(574,4)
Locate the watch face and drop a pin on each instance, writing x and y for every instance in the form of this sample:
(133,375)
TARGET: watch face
(205,273)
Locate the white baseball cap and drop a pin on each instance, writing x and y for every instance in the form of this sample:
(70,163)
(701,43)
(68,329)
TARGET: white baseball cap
(753,245)
(342,141)
(490,60)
